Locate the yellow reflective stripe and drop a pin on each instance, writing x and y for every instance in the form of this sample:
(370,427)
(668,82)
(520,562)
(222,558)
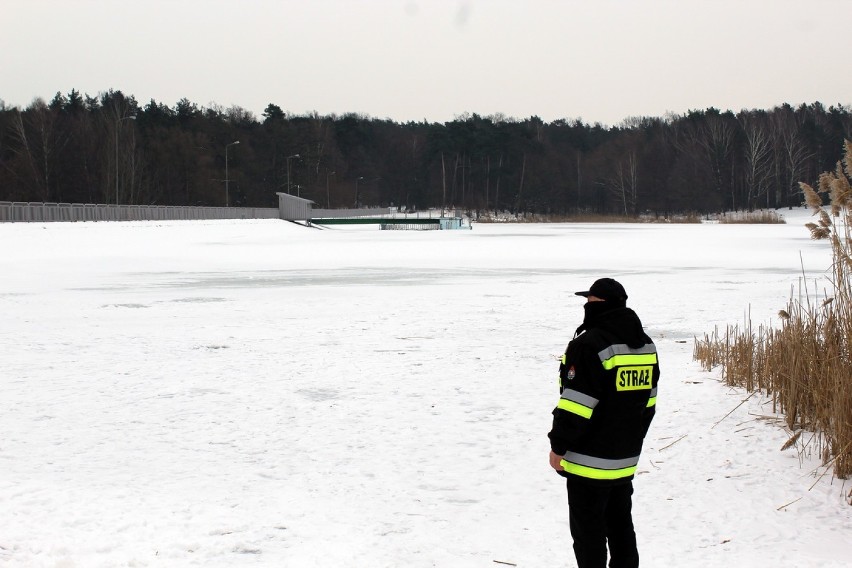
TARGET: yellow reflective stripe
(574,408)
(595,473)
(564,358)
(622,360)
(652,402)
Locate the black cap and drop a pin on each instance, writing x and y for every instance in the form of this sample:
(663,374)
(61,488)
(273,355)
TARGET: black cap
(605,289)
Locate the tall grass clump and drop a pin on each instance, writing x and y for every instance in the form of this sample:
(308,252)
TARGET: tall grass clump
(582,217)
(751,218)
(806,365)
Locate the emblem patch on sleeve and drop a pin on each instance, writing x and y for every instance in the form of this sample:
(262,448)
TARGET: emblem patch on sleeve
(571,373)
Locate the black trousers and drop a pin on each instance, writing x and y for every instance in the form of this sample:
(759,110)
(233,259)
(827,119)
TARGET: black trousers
(601,515)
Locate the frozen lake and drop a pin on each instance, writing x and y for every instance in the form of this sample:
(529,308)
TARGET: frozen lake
(254,393)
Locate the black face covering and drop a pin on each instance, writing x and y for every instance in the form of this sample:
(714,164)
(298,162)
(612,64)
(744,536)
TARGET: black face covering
(594,310)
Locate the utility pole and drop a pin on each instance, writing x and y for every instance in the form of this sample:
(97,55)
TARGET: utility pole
(227,194)
(327,193)
(288,170)
(356,191)
(117,123)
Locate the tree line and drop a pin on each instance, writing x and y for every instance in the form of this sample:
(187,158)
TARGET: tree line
(111,149)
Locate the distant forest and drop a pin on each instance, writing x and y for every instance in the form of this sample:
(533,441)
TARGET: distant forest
(109,148)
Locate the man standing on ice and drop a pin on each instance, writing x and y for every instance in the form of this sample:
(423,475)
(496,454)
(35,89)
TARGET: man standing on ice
(608,391)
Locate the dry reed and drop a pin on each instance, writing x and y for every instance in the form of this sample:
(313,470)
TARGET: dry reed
(805,365)
(491,217)
(751,218)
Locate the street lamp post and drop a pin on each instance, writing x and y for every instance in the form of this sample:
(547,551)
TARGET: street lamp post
(227,180)
(117,123)
(327,194)
(356,191)
(288,170)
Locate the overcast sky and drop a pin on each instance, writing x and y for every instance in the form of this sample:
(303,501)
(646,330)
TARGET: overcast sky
(599,60)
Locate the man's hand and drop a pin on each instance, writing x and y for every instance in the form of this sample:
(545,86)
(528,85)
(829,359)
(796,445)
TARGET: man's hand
(554,461)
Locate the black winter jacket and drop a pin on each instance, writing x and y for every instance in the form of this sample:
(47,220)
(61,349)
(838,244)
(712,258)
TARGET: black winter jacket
(608,392)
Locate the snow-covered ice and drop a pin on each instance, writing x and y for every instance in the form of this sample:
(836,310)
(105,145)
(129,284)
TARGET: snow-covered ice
(254,393)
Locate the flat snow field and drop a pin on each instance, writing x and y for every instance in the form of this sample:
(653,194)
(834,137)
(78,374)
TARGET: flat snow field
(254,393)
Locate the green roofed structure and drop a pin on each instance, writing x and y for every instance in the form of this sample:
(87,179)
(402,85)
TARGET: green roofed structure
(292,208)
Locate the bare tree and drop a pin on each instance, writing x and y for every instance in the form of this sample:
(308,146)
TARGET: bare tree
(711,136)
(497,189)
(39,142)
(521,184)
(625,183)
(793,154)
(758,158)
